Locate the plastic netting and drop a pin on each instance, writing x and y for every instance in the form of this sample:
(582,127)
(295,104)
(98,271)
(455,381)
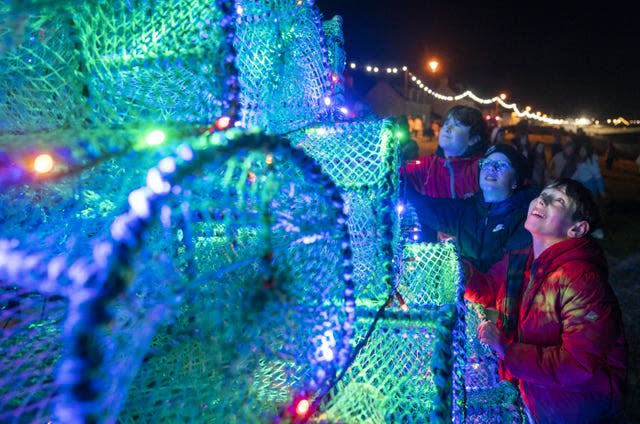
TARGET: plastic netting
(404,371)
(39,85)
(158,61)
(106,63)
(283,64)
(232,303)
(361,158)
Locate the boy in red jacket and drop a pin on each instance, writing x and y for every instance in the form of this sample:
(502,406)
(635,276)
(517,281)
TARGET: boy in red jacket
(569,350)
(452,171)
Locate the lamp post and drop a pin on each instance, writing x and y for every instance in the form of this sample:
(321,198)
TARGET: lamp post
(433,65)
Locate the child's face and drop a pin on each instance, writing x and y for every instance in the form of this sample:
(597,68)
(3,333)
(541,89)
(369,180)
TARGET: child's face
(454,137)
(497,177)
(550,214)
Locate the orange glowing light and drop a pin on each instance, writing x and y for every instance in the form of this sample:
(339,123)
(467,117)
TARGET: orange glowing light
(223,123)
(302,408)
(43,163)
(433,65)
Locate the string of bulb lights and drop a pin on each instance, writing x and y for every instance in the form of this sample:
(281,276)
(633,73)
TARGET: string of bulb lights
(500,99)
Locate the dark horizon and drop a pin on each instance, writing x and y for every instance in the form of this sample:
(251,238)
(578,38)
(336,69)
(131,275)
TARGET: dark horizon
(564,62)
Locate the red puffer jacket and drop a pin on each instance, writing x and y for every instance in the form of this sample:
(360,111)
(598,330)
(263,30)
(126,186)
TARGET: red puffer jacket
(569,353)
(449,178)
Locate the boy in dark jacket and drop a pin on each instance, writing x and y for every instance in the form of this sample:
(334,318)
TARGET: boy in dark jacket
(568,351)
(488,228)
(485,224)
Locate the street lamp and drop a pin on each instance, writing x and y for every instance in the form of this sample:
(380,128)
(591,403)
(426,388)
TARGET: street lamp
(433,64)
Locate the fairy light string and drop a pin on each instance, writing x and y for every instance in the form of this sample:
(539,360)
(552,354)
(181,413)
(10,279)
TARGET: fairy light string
(519,111)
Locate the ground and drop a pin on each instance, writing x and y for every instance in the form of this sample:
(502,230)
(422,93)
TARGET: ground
(621,242)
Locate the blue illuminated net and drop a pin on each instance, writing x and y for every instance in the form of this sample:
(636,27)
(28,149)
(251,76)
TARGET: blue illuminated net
(234,293)
(282,63)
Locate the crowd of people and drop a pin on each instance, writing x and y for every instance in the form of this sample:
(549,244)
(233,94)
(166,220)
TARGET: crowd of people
(524,229)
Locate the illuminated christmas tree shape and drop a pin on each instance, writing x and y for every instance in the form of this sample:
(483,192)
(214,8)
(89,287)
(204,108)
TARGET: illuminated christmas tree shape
(231,300)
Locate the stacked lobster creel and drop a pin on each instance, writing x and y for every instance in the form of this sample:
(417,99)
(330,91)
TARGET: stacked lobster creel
(405,368)
(51,228)
(222,292)
(87,82)
(283,64)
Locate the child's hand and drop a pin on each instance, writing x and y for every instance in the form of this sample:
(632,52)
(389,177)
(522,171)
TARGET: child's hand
(490,335)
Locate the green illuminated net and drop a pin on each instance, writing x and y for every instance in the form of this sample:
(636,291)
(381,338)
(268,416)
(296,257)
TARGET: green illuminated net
(361,158)
(404,372)
(162,61)
(282,63)
(40,88)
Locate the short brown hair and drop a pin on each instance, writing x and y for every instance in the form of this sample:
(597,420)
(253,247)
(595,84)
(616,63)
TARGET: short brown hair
(582,198)
(472,118)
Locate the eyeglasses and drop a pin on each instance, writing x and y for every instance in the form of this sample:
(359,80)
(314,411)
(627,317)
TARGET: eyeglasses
(498,166)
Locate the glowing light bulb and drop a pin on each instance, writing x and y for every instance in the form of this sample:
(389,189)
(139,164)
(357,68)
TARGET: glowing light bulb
(43,163)
(302,408)
(399,208)
(222,123)
(155,138)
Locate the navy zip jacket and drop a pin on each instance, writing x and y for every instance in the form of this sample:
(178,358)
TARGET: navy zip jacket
(483,231)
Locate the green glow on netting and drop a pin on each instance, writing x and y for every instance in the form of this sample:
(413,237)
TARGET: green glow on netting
(155,138)
(401,135)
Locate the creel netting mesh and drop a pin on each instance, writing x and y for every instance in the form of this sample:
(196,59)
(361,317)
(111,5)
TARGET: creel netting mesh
(404,371)
(283,64)
(106,63)
(206,321)
(360,156)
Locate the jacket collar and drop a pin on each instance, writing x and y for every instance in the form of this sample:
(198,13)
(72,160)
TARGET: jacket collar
(580,249)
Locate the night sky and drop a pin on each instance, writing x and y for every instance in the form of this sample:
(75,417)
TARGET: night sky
(563,60)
